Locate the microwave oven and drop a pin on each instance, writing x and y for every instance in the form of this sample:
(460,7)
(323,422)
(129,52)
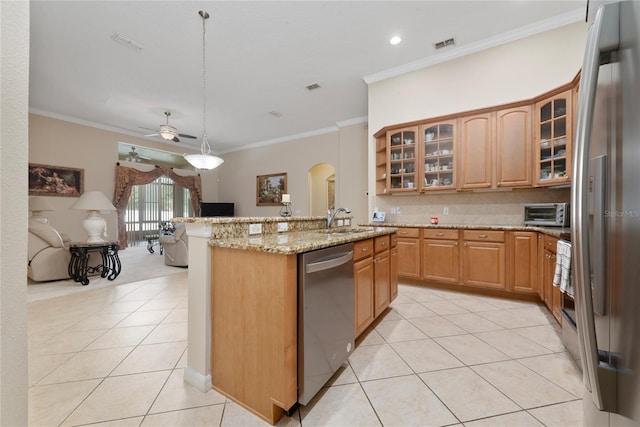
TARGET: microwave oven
(547,214)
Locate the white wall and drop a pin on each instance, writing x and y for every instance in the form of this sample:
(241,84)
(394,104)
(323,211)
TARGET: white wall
(14,70)
(516,71)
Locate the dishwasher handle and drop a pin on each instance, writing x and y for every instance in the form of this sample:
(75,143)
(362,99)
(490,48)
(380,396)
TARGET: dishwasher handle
(329,262)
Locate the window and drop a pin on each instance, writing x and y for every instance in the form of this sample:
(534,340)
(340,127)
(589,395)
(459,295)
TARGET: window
(152,204)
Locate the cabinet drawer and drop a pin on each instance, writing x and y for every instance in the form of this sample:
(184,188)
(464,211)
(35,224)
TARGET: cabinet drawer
(440,233)
(394,240)
(550,243)
(382,243)
(484,235)
(409,232)
(362,248)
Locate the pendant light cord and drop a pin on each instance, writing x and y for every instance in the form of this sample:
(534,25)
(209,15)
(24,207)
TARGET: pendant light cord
(205,148)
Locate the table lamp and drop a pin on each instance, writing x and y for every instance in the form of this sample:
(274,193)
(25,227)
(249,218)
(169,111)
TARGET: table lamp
(93,202)
(37,206)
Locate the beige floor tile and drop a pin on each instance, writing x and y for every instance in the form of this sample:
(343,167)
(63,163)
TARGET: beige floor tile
(507,319)
(547,336)
(412,309)
(49,405)
(182,363)
(41,366)
(98,321)
(235,416)
(70,342)
(506,303)
(515,419)
(88,365)
(419,294)
(370,337)
(195,417)
(401,299)
(178,394)
(344,375)
(122,306)
(177,316)
(125,422)
(406,401)
(558,368)
(471,322)
(377,361)
(471,350)
(537,314)
(113,400)
(344,405)
(437,326)
(161,304)
(521,384)
(121,337)
(444,307)
(399,330)
(425,355)
(170,332)
(474,305)
(142,318)
(512,344)
(467,394)
(152,357)
(567,414)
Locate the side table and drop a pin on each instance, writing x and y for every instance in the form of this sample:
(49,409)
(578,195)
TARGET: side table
(78,265)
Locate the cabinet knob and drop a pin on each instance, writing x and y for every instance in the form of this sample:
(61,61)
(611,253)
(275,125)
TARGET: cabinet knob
(440,234)
(365,249)
(482,236)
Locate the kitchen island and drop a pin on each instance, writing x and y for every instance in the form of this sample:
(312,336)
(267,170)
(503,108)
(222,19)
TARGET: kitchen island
(243,301)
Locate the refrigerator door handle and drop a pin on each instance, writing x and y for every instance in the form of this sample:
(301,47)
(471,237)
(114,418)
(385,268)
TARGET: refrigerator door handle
(598,280)
(603,36)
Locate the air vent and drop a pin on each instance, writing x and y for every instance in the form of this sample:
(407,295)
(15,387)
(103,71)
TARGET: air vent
(313,86)
(126,41)
(445,43)
(275,114)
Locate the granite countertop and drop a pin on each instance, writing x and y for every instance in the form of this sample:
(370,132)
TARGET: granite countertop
(300,241)
(561,232)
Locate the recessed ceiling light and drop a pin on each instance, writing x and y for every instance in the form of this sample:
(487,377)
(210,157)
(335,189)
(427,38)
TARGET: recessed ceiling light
(395,40)
(313,86)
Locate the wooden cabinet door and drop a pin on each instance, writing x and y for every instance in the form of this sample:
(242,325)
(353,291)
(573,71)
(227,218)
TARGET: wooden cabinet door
(523,262)
(548,271)
(513,147)
(541,267)
(382,274)
(363,272)
(393,274)
(477,135)
(402,155)
(440,260)
(408,257)
(553,137)
(484,264)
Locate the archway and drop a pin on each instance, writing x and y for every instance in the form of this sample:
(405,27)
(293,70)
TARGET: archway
(322,189)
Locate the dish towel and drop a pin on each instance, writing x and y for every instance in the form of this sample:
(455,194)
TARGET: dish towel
(562,276)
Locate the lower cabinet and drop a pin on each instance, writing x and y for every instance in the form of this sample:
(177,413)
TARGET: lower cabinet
(523,261)
(440,255)
(394,261)
(552,295)
(408,252)
(381,278)
(484,259)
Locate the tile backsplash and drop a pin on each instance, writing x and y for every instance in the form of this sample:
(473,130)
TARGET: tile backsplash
(486,207)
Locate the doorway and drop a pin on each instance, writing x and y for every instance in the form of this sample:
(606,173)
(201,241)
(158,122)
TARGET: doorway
(322,189)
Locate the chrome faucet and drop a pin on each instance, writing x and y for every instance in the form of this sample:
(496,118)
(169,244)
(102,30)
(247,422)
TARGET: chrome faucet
(332,216)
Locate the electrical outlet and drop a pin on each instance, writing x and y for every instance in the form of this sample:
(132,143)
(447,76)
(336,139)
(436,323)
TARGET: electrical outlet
(340,222)
(255,228)
(445,211)
(283,226)
(347,221)
(398,211)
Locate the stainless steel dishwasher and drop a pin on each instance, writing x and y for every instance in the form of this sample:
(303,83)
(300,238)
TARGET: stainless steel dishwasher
(326,310)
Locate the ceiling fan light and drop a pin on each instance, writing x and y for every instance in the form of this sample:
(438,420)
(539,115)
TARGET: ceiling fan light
(203,161)
(167,135)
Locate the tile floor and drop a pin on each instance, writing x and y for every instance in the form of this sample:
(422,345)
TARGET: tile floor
(116,356)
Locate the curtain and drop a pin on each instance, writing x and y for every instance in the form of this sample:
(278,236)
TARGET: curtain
(126,178)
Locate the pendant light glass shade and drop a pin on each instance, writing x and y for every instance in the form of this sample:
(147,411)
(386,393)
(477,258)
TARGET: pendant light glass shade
(204,160)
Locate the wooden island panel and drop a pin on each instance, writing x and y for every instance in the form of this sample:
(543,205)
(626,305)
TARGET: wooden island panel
(254,329)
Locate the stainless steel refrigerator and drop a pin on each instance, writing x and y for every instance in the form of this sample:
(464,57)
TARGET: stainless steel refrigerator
(606,217)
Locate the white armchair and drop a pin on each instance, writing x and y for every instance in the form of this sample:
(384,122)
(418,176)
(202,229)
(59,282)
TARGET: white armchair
(48,254)
(176,247)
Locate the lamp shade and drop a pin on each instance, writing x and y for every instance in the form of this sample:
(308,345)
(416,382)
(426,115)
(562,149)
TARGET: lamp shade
(40,204)
(93,201)
(204,161)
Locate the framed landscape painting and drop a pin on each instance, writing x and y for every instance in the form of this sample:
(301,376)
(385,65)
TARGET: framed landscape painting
(270,188)
(46,180)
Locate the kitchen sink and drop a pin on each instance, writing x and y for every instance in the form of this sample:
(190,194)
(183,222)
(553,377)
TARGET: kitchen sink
(344,231)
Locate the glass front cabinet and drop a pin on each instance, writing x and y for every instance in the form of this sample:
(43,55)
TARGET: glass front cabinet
(437,161)
(402,150)
(553,139)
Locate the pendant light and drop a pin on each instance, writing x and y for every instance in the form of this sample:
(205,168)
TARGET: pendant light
(204,160)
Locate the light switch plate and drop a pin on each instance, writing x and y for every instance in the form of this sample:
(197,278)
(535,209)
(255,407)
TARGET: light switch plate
(283,226)
(255,228)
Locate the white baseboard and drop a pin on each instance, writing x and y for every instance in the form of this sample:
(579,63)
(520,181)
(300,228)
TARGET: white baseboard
(196,379)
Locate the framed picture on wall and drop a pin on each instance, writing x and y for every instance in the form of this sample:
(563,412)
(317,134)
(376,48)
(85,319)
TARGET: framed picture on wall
(270,188)
(46,180)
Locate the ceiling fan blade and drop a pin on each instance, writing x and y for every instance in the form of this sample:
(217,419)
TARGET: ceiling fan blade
(175,139)
(153,129)
(153,134)
(184,135)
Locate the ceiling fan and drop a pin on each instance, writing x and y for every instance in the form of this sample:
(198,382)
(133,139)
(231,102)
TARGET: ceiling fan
(133,156)
(169,132)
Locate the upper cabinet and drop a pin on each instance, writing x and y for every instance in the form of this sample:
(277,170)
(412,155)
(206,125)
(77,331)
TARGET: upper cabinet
(476,148)
(437,156)
(513,147)
(554,125)
(402,159)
